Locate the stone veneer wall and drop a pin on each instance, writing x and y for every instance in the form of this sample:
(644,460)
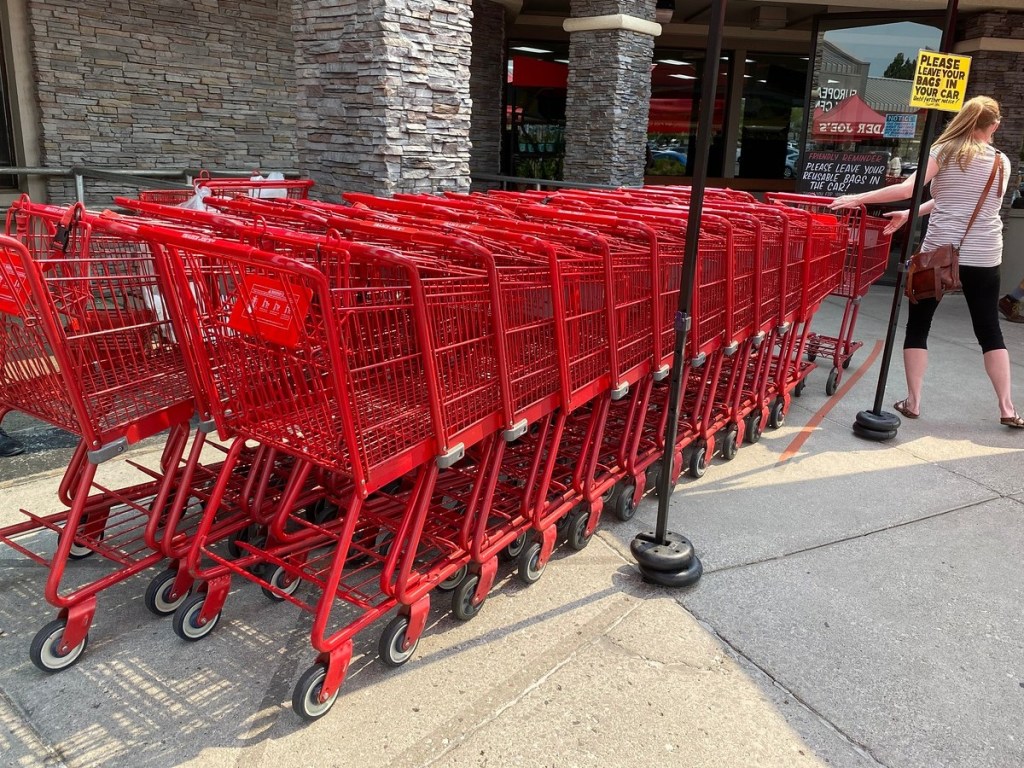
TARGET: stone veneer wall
(149,84)
(384,102)
(999,74)
(608,96)
(487,88)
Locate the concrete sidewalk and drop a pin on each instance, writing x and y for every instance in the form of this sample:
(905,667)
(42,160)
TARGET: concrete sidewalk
(861,606)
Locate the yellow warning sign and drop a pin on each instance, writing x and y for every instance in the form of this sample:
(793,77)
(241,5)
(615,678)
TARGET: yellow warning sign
(940,81)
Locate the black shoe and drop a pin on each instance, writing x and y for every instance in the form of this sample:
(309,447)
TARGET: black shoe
(9,446)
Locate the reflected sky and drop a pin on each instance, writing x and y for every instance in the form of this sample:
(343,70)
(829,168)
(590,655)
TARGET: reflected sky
(879,44)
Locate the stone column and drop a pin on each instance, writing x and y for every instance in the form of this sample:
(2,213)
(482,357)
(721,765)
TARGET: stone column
(995,43)
(611,47)
(487,86)
(384,102)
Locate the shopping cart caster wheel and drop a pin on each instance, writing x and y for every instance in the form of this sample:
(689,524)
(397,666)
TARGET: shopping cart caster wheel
(698,462)
(753,432)
(187,624)
(673,556)
(652,476)
(78,552)
(577,537)
(730,445)
(285,583)
(511,553)
(45,648)
(158,598)
(684,578)
(833,382)
(454,580)
(306,698)
(529,569)
(799,388)
(392,640)
(463,607)
(320,512)
(777,415)
(624,509)
(846,362)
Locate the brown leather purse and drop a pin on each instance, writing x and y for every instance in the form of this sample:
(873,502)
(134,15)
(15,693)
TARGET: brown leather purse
(932,274)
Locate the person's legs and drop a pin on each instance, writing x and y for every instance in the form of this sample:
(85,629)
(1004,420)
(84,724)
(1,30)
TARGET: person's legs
(981,289)
(915,352)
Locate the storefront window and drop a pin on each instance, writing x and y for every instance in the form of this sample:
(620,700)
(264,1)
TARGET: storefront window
(772,116)
(676,81)
(535,112)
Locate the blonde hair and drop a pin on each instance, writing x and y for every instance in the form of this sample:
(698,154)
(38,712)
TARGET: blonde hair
(957,142)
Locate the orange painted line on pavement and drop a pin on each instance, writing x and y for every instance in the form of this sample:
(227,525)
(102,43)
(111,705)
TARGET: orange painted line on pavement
(820,414)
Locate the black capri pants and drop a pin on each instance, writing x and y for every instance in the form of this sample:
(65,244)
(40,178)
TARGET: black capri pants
(981,290)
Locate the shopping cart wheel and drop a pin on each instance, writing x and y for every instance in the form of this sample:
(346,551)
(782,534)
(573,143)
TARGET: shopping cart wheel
(392,640)
(798,389)
(186,622)
(698,461)
(454,580)
(624,509)
(812,353)
(777,415)
(578,538)
(730,444)
(511,553)
(753,431)
(306,697)
(158,594)
(283,581)
(833,382)
(530,569)
(45,648)
(463,607)
(79,552)
(846,362)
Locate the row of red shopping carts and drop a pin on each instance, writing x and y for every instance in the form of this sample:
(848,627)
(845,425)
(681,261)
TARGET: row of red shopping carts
(407,391)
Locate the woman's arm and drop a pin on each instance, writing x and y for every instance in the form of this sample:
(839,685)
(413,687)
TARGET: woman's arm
(898,218)
(891,194)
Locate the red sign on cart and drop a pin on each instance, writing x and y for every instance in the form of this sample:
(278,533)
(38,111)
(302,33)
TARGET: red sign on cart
(13,286)
(271,309)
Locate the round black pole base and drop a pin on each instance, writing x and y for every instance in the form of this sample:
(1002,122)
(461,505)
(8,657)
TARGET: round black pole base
(668,563)
(876,426)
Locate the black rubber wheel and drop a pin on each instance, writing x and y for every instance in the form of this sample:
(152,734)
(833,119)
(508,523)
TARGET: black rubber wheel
(79,552)
(672,556)
(685,578)
(833,382)
(879,423)
(798,390)
(777,414)
(753,432)
(510,553)
(454,580)
(320,512)
(281,579)
(528,568)
(730,444)
(463,608)
(157,598)
(846,362)
(389,648)
(186,619)
(624,509)
(874,434)
(652,476)
(577,537)
(698,461)
(43,650)
(305,698)
(245,536)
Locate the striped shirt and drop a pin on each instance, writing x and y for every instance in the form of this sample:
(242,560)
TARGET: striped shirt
(956,193)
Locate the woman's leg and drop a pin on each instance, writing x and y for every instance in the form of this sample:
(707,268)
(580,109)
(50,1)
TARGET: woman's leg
(915,349)
(981,290)
(915,363)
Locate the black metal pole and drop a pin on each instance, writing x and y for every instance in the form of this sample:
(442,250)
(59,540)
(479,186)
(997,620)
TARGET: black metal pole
(664,557)
(877,424)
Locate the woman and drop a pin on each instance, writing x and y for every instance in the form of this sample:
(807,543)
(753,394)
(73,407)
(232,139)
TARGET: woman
(959,166)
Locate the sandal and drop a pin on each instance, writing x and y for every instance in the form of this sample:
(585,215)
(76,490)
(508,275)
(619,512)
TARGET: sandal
(904,409)
(1014,422)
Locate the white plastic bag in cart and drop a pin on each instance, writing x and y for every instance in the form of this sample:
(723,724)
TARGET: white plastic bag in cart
(196,201)
(269,192)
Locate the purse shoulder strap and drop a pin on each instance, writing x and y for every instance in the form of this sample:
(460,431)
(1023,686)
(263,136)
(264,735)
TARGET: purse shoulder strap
(997,165)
